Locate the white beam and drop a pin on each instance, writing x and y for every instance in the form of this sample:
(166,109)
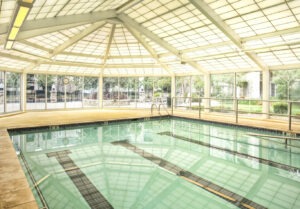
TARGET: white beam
(272,34)
(130,23)
(127,5)
(63,63)
(109,57)
(111,35)
(285,67)
(222,26)
(10,56)
(69,19)
(149,49)
(77,37)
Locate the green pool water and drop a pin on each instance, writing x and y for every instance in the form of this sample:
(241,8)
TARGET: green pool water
(159,163)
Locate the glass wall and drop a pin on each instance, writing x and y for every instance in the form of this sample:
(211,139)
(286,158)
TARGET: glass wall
(188,91)
(55,92)
(2,84)
(90,92)
(13,89)
(249,92)
(284,87)
(73,91)
(140,92)
(36,92)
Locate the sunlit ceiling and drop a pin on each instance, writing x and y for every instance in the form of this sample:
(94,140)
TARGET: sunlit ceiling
(152,37)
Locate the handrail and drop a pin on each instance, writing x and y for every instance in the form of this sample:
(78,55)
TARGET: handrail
(161,104)
(187,103)
(152,108)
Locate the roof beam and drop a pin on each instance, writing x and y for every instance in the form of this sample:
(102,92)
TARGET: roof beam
(127,5)
(222,26)
(69,42)
(59,23)
(130,23)
(88,65)
(109,57)
(285,67)
(10,56)
(69,19)
(150,50)
(111,35)
(272,34)
(77,37)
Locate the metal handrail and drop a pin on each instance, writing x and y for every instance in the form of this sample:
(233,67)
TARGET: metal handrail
(152,108)
(161,104)
(235,106)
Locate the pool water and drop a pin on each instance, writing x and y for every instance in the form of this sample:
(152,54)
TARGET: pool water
(159,163)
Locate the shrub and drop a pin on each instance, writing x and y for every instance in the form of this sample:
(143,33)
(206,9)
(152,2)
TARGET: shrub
(281,108)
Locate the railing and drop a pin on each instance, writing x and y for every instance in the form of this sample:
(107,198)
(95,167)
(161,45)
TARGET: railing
(153,105)
(159,108)
(239,106)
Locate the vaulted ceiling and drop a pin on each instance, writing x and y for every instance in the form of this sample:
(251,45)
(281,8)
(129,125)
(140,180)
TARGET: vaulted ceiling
(152,37)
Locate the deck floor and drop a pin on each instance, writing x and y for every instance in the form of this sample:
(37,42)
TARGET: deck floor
(15,192)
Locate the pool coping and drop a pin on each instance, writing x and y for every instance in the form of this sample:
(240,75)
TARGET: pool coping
(15,191)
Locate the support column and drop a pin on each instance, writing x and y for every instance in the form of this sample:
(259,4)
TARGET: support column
(23,91)
(206,92)
(173,90)
(266,92)
(100,91)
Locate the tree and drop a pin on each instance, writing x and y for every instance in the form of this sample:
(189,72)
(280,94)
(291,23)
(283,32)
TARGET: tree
(285,80)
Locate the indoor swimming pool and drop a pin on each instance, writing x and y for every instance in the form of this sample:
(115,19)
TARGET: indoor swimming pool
(159,163)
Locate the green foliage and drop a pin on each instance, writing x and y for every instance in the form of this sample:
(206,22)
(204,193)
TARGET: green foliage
(280,108)
(287,84)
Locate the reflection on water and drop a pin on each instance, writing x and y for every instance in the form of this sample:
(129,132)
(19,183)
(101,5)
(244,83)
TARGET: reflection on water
(130,181)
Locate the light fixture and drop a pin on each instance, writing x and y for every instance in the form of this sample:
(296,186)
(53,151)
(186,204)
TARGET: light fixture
(21,12)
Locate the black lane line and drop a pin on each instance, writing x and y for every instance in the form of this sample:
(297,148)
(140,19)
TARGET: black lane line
(239,154)
(86,188)
(209,186)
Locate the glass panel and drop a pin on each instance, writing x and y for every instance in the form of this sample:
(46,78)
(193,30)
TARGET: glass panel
(13,88)
(145,92)
(36,92)
(183,91)
(162,90)
(55,92)
(1,92)
(222,88)
(90,92)
(110,92)
(74,86)
(197,91)
(127,92)
(285,86)
(249,91)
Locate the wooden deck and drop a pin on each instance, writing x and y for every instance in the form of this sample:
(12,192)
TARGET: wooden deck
(15,192)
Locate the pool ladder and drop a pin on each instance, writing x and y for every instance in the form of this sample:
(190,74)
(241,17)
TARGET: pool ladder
(159,108)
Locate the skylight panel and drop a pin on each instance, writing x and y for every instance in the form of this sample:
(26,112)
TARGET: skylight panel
(30,50)
(7,11)
(228,63)
(182,68)
(13,63)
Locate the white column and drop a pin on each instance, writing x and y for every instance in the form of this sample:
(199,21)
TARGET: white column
(23,91)
(100,91)
(266,92)
(173,89)
(173,86)
(206,91)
